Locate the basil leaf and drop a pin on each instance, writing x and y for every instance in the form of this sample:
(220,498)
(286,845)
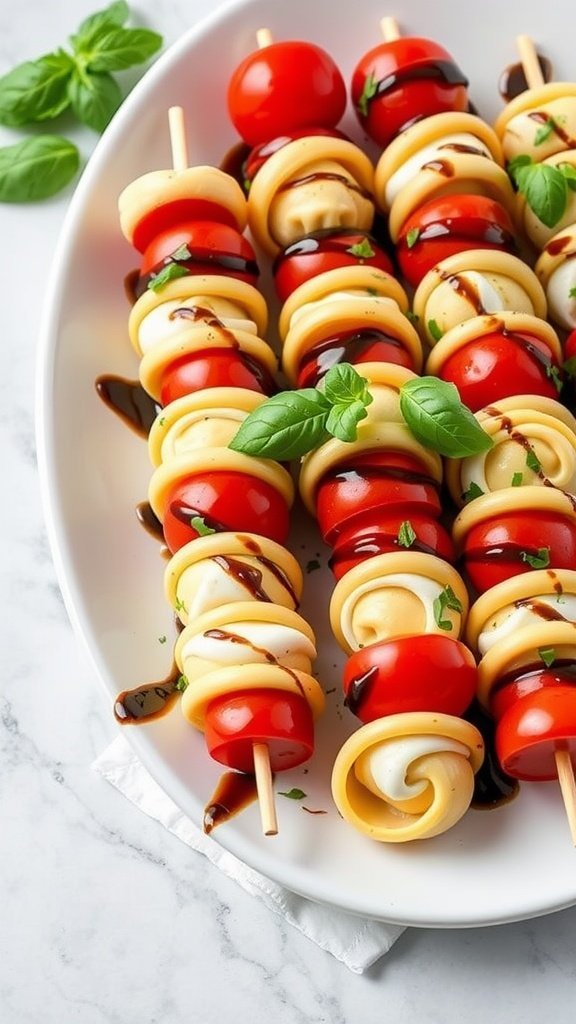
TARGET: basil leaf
(548,655)
(36,168)
(198,523)
(446,599)
(406,535)
(363,250)
(517,165)
(343,420)
(412,237)
(553,374)
(545,131)
(533,462)
(474,491)
(182,684)
(517,479)
(434,413)
(569,367)
(35,90)
(293,794)
(368,92)
(286,426)
(435,330)
(545,190)
(114,49)
(168,273)
(568,172)
(541,560)
(115,14)
(343,384)
(95,98)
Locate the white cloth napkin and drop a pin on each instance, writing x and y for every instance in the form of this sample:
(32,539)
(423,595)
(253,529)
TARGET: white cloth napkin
(356,941)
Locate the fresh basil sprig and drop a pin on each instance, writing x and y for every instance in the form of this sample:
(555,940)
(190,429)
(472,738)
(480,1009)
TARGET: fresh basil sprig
(292,423)
(438,419)
(42,89)
(545,188)
(36,168)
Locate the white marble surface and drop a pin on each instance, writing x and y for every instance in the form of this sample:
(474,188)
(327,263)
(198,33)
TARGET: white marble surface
(104,917)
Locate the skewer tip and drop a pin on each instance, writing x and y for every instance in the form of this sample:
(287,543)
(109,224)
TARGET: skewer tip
(390,29)
(264,38)
(530,61)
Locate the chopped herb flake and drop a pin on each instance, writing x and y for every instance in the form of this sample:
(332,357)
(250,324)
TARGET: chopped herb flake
(406,535)
(533,462)
(548,655)
(412,237)
(182,683)
(294,794)
(168,273)
(368,93)
(434,330)
(363,250)
(198,523)
(474,491)
(517,479)
(446,600)
(538,561)
(312,565)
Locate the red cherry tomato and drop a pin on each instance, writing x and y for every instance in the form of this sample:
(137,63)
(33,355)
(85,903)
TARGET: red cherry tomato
(533,729)
(500,365)
(517,685)
(226,501)
(372,535)
(448,225)
(403,81)
(280,719)
(570,345)
(496,549)
(215,248)
(414,673)
(381,481)
(284,86)
(323,251)
(368,345)
(170,215)
(214,368)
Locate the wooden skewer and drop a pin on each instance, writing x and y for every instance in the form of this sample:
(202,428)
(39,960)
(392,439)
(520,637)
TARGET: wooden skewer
(263,775)
(390,29)
(262,769)
(530,62)
(178,138)
(264,38)
(567,786)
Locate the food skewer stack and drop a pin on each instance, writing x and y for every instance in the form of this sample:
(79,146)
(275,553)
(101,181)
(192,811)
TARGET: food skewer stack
(409,772)
(483,313)
(244,652)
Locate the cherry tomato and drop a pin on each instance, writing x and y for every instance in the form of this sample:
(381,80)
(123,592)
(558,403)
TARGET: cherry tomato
(497,549)
(448,225)
(403,81)
(519,684)
(377,534)
(367,345)
(215,248)
(413,673)
(322,251)
(499,365)
(533,729)
(226,501)
(380,481)
(570,345)
(284,86)
(278,718)
(214,368)
(170,215)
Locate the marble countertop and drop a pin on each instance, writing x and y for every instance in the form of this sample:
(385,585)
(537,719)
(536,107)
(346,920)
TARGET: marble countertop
(105,918)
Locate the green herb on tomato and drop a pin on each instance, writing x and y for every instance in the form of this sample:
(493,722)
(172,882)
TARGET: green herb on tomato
(406,535)
(362,250)
(553,374)
(439,420)
(412,237)
(541,560)
(202,529)
(168,273)
(368,92)
(292,423)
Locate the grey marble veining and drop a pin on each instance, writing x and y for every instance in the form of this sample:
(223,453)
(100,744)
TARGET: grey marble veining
(104,917)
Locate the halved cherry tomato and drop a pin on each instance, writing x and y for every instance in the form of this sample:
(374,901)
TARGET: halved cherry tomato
(382,481)
(499,365)
(214,368)
(448,225)
(326,250)
(215,248)
(368,345)
(283,86)
(377,534)
(281,720)
(170,215)
(497,549)
(225,501)
(533,729)
(403,81)
(519,684)
(413,673)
